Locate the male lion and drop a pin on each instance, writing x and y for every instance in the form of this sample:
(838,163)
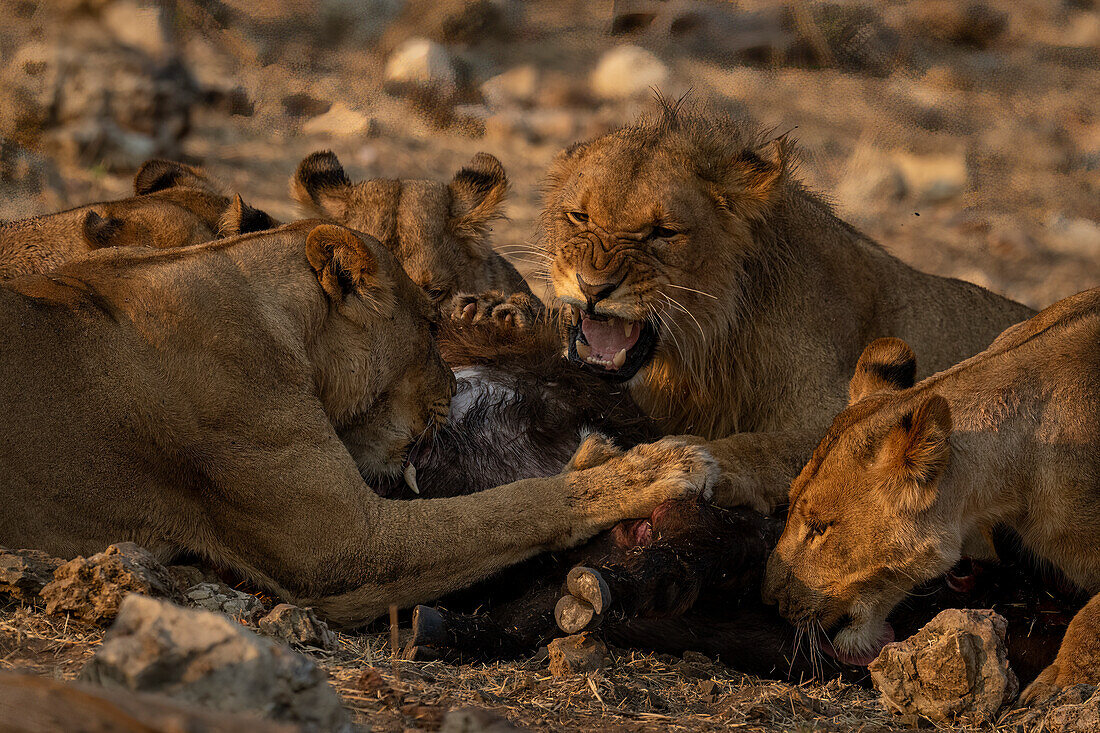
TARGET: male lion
(907,473)
(440,233)
(700,272)
(221,399)
(174,205)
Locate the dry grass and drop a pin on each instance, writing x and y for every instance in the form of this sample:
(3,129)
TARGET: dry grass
(637,692)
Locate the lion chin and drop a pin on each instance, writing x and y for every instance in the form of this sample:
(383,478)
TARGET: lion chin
(858,644)
(615,348)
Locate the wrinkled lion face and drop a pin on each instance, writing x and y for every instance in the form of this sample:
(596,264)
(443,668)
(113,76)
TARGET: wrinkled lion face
(647,242)
(864,525)
(380,375)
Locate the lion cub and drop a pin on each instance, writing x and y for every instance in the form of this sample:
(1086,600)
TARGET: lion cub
(439,232)
(174,205)
(907,474)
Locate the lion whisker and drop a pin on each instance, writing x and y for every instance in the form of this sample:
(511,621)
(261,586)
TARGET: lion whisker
(693,290)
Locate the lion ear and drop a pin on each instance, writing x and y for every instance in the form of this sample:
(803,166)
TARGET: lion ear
(99,231)
(343,262)
(755,180)
(477,198)
(240,218)
(916,452)
(886,365)
(320,184)
(158,175)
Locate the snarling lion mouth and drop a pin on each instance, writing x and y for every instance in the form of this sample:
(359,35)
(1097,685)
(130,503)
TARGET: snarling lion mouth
(612,347)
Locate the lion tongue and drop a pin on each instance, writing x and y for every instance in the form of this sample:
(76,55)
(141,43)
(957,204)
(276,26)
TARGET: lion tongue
(608,337)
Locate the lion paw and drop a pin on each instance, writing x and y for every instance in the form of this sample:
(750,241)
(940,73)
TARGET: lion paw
(679,467)
(518,310)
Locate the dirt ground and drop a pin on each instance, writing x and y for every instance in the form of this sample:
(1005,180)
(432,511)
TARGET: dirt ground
(967,154)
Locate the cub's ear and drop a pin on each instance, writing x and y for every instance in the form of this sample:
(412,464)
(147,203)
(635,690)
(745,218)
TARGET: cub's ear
(343,263)
(754,180)
(477,196)
(320,184)
(916,452)
(240,218)
(100,231)
(157,175)
(886,365)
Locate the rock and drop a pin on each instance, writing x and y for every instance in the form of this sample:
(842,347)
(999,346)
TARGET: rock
(465,22)
(577,654)
(96,102)
(1074,709)
(955,668)
(626,72)
(534,125)
(951,21)
(1074,236)
(24,573)
(516,87)
(220,598)
(298,626)
(475,720)
(339,120)
(139,24)
(52,705)
(419,62)
(187,575)
(93,588)
(935,177)
(207,659)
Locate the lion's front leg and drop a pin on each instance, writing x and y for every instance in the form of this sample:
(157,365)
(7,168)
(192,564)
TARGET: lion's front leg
(756,469)
(1078,660)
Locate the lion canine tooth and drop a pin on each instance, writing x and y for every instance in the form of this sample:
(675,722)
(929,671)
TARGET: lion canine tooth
(627,328)
(410,478)
(584,350)
(619,359)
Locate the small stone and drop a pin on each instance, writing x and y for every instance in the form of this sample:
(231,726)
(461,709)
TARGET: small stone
(577,654)
(955,668)
(207,659)
(517,86)
(933,178)
(626,72)
(24,573)
(93,588)
(220,598)
(420,62)
(298,627)
(475,720)
(339,120)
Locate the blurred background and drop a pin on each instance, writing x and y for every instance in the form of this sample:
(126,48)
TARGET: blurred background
(964,136)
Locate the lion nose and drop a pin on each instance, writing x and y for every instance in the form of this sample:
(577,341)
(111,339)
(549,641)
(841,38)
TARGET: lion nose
(595,292)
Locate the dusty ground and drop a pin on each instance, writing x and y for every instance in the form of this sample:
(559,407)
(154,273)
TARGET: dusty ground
(979,161)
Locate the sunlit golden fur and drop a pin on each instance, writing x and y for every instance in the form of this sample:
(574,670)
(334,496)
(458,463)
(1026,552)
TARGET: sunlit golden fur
(907,474)
(174,205)
(439,232)
(762,297)
(223,399)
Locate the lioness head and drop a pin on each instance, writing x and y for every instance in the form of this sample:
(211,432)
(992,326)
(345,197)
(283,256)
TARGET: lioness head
(438,231)
(377,367)
(652,231)
(865,523)
(173,205)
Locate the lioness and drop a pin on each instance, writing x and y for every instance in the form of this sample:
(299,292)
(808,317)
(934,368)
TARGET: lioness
(439,232)
(907,473)
(731,301)
(174,205)
(221,399)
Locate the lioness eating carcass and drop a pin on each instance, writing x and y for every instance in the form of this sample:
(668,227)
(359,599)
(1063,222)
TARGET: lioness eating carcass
(221,399)
(908,473)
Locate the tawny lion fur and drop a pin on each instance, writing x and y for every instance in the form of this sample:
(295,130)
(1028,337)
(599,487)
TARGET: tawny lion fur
(174,205)
(762,297)
(907,474)
(222,399)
